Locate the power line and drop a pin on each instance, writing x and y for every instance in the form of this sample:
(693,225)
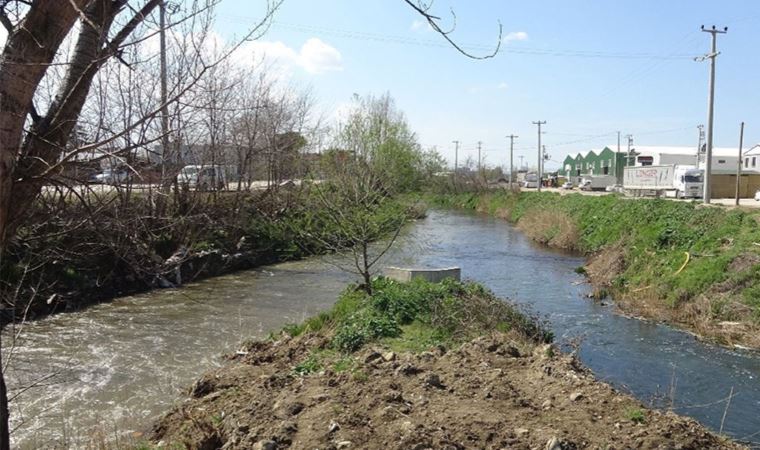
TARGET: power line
(405,40)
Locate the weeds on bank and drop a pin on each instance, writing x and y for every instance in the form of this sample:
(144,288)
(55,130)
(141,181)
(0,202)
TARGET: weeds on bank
(635,415)
(414,317)
(655,236)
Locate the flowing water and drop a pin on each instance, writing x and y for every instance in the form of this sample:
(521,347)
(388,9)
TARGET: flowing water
(111,368)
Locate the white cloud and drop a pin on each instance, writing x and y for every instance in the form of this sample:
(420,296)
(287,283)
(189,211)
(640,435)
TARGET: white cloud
(483,88)
(516,36)
(315,56)
(318,57)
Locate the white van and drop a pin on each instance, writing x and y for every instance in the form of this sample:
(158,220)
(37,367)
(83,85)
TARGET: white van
(202,178)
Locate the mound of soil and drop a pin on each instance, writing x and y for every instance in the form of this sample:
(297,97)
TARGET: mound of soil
(494,392)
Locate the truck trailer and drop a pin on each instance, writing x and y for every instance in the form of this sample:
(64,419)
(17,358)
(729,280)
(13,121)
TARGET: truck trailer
(597,182)
(672,180)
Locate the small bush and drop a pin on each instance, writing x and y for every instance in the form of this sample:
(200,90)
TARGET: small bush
(418,315)
(311,364)
(635,415)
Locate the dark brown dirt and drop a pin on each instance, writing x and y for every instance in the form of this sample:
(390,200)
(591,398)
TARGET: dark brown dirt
(743,262)
(495,392)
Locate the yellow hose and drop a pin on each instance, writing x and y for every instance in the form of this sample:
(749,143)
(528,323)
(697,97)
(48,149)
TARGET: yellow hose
(688,257)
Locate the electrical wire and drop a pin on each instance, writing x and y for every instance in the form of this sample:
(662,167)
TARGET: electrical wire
(522,50)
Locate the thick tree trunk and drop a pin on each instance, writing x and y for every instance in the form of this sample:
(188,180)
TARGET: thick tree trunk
(49,136)
(29,50)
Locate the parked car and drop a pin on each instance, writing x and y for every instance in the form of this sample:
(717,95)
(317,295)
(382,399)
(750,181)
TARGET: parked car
(567,185)
(110,176)
(202,178)
(757,195)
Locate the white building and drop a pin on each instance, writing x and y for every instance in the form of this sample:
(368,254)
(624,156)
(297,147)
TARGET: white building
(724,160)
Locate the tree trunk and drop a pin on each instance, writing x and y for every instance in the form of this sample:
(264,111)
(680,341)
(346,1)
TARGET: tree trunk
(5,435)
(365,273)
(28,51)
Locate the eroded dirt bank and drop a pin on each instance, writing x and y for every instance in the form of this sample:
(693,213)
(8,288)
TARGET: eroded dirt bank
(497,391)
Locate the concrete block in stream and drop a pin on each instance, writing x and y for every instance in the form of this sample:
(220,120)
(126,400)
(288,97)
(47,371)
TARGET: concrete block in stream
(431,275)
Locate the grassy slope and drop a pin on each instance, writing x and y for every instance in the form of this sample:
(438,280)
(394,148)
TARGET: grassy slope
(720,282)
(417,315)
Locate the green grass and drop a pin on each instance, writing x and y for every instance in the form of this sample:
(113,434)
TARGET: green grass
(635,415)
(413,316)
(654,234)
(416,337)
(312,364)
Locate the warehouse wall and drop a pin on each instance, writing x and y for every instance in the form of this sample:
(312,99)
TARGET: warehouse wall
(724,186)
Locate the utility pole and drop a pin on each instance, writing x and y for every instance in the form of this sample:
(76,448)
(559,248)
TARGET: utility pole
(629,137)
(739,162)
(480,168)
(714,32)
(164,95)
(540,156)
(456,157)
(615,160)
(512,138)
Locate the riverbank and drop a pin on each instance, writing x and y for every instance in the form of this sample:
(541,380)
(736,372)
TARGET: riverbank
(695,267)
(416,366)
(76,258)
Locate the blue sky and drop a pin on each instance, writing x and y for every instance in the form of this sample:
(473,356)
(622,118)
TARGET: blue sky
(544,71)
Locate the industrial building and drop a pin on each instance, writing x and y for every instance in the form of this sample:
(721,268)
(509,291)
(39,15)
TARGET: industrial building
(724,165)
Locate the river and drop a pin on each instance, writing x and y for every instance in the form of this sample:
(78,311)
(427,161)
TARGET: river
(110,369)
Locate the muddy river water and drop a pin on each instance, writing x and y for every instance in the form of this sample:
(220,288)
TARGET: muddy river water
(113,367)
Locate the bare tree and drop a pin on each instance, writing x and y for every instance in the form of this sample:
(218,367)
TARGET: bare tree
(34,143)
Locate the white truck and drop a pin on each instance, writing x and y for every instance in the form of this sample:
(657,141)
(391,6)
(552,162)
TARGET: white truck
(597,182)
(672,180)
(531,180)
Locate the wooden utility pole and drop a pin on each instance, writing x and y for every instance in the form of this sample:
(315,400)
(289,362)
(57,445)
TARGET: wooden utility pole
(480,167)
(540,155)
(164,93)
(739,162)
(512,138)
(456,157)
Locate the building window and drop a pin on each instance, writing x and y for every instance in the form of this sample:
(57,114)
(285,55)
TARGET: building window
(746,162)
(721,161)
(753,161)
(606,170)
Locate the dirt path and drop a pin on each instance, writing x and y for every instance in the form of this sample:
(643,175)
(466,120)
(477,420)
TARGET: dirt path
(495,392)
